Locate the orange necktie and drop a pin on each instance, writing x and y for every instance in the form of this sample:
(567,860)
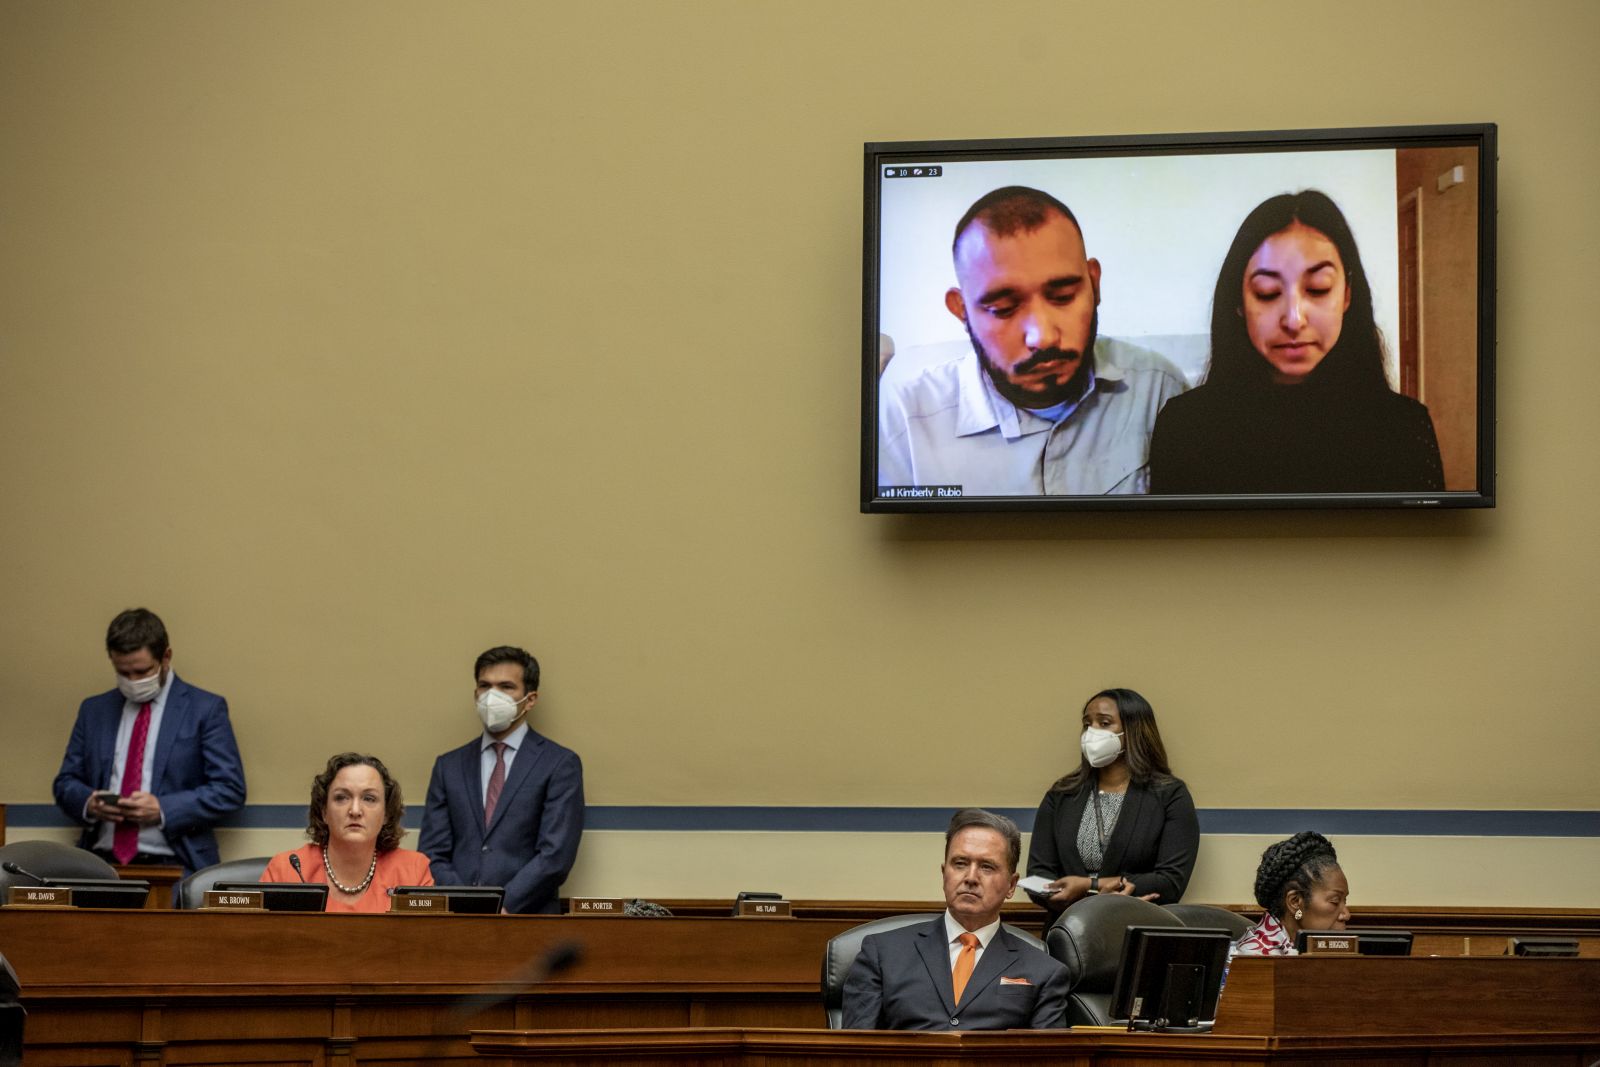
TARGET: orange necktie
(964,963)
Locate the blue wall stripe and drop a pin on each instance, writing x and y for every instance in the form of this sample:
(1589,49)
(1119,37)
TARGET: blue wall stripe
(1270,821)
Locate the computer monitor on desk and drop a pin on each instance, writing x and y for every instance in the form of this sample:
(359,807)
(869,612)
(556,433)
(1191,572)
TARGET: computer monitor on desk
(282,896)
(1170,978)
(105,892)
(1366,942)
(462,899)
(1566,947)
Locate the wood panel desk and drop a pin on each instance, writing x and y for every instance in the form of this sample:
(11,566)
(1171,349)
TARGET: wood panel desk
(161,878)
(171,987)
(1018,1048)
(175,987)
(1413,1012)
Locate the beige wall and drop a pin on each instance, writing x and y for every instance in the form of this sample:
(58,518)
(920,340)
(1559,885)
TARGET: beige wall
(356,338)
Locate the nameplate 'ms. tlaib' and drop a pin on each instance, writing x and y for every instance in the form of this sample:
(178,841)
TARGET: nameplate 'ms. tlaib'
(765,909)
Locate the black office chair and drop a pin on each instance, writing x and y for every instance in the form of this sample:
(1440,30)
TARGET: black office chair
(1087,939)
(50,859)
(12,1017)
(191,892)
(843,950)
(1212,917)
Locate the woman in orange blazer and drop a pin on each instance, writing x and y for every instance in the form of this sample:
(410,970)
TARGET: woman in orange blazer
(354,825)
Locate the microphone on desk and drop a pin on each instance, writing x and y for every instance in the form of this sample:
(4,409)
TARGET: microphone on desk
(553,960)
(13,868)
(294,861)
(556,960)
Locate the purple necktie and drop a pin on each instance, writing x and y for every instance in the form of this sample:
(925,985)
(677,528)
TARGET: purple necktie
(125,840)
(497,782)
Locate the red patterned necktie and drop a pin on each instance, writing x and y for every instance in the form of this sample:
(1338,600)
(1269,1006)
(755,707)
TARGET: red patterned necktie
(497,782)
(125,841)
(964,963)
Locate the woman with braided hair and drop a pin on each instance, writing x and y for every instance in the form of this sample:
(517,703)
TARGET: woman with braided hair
(1300,885)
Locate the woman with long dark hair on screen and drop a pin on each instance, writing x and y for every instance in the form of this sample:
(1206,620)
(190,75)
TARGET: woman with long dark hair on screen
(1119,822)
(1295,399)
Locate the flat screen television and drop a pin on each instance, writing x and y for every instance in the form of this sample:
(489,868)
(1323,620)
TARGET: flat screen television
(1266,319)
(1368,942)
(1169,978)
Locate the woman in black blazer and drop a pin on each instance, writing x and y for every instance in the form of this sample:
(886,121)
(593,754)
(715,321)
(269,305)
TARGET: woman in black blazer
(1120,822)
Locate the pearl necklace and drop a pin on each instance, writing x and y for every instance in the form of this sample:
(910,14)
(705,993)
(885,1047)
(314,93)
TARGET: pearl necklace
(350,890)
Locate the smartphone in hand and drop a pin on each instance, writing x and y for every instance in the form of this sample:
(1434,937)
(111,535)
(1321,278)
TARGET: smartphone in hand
(1036,886)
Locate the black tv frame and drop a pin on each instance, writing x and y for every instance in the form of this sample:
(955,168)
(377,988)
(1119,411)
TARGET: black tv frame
(1143,972)
(879,155)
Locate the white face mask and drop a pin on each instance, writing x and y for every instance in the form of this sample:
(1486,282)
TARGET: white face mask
(497,710)
(1100,747)
(140,690)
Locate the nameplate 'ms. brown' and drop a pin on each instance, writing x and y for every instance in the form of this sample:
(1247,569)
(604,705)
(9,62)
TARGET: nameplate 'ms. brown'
(233,900)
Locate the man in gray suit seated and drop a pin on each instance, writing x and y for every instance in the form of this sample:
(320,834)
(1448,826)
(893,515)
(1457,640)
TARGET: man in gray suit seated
(963,970)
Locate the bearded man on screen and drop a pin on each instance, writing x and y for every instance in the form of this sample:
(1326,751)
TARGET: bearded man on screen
(1044,405)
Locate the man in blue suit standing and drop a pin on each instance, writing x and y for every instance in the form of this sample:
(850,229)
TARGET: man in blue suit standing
(506,808)
(152,766)
(964,970)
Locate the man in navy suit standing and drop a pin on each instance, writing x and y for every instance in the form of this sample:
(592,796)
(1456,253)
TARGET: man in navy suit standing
(152,766)
(506,808)
(963,970)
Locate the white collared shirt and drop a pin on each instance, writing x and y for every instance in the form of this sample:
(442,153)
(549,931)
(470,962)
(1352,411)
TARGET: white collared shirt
(151,839)
(512,741)
(953,931)
(947,425)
